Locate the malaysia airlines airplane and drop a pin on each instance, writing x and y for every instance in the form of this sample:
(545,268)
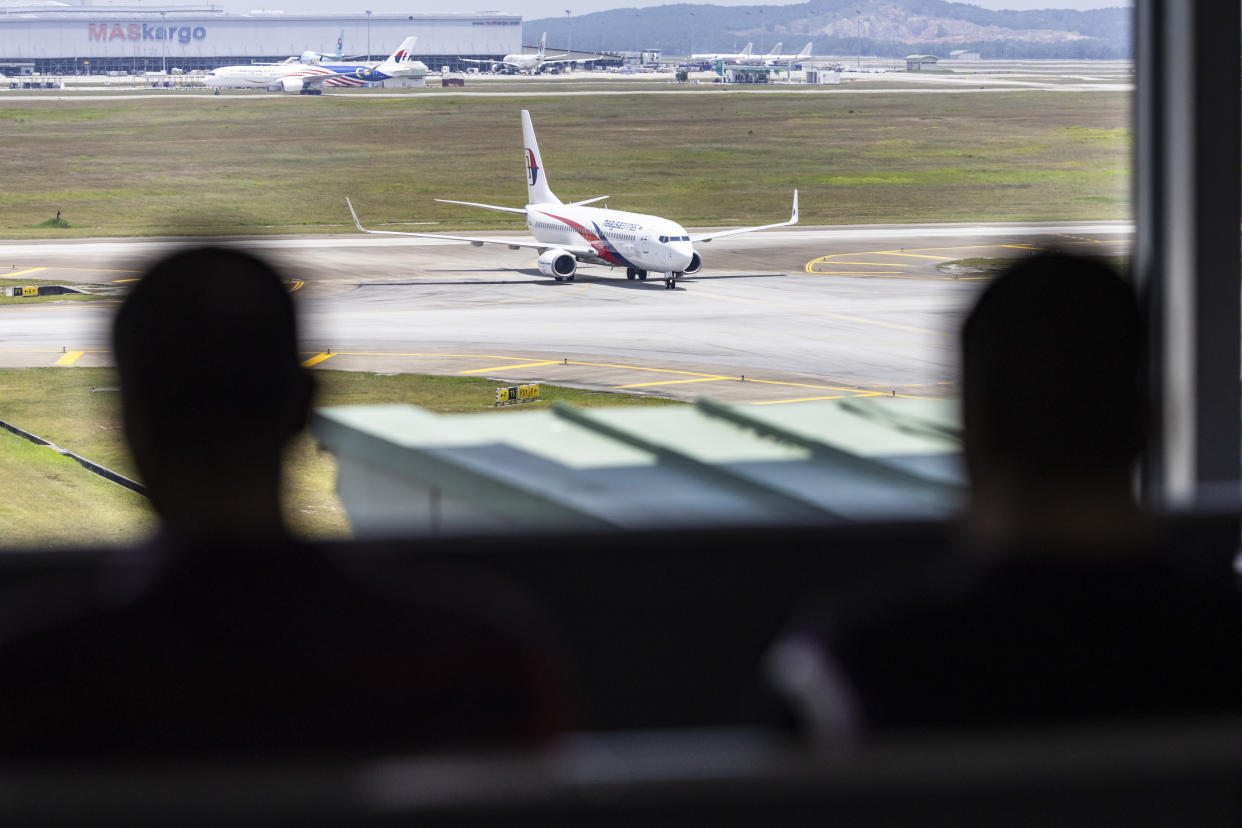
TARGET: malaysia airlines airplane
(310,79)
(525,63)
(566,234)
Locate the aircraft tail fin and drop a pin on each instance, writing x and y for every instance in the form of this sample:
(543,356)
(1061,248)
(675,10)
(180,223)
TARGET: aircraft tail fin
(543,45)
(401,58)
(776,50)
(536,182)
(806,51)
(746,51)
(340,44)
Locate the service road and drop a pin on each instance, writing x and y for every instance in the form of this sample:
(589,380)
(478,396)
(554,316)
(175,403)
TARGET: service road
(801,314)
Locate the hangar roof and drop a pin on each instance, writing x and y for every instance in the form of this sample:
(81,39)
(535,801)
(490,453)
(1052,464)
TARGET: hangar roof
(602,468)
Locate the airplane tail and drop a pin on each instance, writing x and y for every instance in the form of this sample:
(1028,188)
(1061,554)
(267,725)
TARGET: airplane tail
(543,45)
(340,43)
(746,51)
(805,53)
(537,191)
(400,59)
(776,50)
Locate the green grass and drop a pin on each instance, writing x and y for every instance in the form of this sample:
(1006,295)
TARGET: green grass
(240,164)
(49,500)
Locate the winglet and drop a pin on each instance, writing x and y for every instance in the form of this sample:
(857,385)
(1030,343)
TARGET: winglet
(357,223)
(794,219)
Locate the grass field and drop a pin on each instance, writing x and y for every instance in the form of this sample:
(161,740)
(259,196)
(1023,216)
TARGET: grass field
(280,164)
(50,501)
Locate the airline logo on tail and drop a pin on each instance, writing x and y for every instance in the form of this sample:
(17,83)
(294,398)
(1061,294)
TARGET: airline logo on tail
(401,54)
(532,169)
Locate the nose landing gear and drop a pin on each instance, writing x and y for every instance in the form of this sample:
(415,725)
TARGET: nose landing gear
(670,280)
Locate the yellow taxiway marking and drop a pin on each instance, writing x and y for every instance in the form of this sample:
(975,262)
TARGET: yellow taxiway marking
(316,359)
(295,285)
(508,367)
(118,281)
(1022,247)
(15,274)
(799,399)
(674,382)
(876,264)
(908,255)
(858,272)
(70,357)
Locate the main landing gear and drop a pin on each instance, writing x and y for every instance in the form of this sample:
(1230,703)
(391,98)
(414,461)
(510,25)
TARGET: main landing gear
(634,273)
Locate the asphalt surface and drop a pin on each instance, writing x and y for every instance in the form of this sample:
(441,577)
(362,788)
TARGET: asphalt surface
(774,317)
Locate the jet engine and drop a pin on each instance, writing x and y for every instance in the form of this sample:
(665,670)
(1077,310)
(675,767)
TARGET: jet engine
(289,85)
(309,57)
(558,263)
(696,264)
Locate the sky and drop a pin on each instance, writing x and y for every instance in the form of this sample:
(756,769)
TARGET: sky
(533,9)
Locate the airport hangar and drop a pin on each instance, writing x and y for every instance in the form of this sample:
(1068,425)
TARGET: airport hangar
(63,39)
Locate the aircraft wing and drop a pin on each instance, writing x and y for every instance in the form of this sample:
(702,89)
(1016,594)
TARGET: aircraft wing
(706,237)
(316,79)
(565,58)
(576,249)
(472,60)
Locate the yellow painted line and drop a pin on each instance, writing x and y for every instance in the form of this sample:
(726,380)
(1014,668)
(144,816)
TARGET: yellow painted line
(675,382)
(834,256)
(70,357)
(507,367)
(1022,247)
(316,359)
(857,273)
(15,274)
(909,255)
(799,399)
(118,281)
(295,285)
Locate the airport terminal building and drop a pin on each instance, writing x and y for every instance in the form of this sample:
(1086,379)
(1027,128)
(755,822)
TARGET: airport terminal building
(69,37)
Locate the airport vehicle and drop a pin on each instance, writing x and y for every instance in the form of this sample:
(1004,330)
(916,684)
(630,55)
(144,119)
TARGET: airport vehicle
(568,234)
(738,57)
(310,79)
(524,63)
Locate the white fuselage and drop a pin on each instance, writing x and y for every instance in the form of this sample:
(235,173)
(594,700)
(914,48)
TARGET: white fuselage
(266,76)
(621,239)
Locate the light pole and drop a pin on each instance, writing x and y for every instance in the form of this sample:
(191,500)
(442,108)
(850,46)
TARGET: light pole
(368,34)
(691,36)
(570,22)
(164,43)
(858,31)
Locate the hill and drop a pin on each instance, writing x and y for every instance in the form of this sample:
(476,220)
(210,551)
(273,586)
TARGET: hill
(887,28)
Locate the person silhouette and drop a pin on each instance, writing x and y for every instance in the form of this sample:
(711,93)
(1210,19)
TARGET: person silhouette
(212,391)
(225,637)
(1064,600)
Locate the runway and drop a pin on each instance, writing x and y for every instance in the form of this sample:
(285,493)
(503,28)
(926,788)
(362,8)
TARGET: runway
(774,317)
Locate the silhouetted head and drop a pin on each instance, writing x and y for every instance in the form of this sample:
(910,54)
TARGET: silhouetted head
(1051,372)
(212,389)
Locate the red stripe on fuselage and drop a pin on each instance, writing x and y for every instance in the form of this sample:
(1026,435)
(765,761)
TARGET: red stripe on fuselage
(601,248)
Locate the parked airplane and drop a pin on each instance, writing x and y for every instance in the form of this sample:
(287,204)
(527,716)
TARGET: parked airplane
(774,54)
(741,56)
(781,60)
(566,234)
(311,58)
(309,80)
(524,63)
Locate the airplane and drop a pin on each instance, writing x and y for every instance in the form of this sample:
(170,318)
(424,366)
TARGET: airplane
(311,58)
(568,234)
(309,80)
(739,57)
(774,54)
(777,59)
(525,63)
